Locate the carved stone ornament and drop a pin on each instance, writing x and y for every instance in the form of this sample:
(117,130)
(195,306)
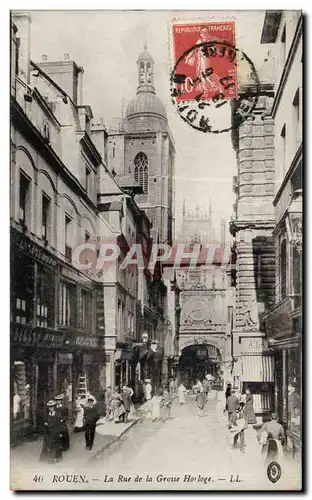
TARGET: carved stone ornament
(249,314)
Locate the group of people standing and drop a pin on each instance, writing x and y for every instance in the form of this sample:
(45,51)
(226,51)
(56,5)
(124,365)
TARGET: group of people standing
(240,410)
(119,404)
(56,436)
(158,403)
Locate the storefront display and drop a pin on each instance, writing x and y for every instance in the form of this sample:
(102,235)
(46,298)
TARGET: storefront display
(294,392)
(21,407)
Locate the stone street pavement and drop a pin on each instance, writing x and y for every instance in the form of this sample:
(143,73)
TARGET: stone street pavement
(184,452)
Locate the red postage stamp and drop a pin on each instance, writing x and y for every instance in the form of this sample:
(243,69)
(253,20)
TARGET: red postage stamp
(205,61)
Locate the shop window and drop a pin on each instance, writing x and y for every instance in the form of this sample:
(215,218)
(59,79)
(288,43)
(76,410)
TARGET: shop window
(21,378)
(64,383)
(22,289)
(86,310)
(294,391)
(24,199)
(45,222)
(297,279)
(283,269)
(68,304)
(45,298)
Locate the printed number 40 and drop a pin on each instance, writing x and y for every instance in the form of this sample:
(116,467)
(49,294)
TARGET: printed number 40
(37,479)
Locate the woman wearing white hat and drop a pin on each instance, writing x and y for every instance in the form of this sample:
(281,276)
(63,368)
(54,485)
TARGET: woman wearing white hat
(52,445)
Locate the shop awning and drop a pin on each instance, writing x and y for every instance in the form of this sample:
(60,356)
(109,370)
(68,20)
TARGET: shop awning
(258,368)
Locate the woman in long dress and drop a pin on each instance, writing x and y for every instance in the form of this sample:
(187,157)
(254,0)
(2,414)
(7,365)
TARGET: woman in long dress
(249,409)
(52,439)
(117,406)
(182,394)
(79,427)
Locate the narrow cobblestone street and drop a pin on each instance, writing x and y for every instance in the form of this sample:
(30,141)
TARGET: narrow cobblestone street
(192,449)
(186,452)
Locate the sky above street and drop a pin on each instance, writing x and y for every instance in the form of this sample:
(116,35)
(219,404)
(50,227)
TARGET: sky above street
(107,43)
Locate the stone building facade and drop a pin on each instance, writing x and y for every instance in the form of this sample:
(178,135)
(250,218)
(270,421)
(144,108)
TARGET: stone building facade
(57,309)
(252,226)
(283,322)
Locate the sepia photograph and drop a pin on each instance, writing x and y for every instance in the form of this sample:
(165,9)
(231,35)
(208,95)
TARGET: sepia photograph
(156,250)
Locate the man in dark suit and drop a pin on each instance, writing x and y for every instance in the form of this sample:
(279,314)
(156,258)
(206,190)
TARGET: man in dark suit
(62,414)
(232,405)
(91,416)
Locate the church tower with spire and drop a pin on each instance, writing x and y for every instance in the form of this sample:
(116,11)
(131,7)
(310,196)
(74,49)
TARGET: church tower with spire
(146,153)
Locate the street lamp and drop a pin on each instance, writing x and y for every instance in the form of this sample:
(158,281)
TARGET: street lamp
(294,220)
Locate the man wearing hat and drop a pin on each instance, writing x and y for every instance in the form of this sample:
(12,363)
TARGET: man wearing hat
(62,414)
(232,405)
(91,416)
(51,449)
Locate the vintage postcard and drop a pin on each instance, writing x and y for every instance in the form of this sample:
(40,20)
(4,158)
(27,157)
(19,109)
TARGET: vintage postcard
(156,250)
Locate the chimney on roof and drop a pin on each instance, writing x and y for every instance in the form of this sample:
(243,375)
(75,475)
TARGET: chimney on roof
(66,56)
(22,21)
(44,57)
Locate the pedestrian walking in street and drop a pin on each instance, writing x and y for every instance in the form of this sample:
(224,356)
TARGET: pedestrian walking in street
(249,408)
(148,397)
(232,405)
(52,438)
(91,416)
(206,387)
(79,415)
(273,429)
(62,414)
(157,403)
(227,395)
(238,429)
(126,401)
(200,400)
(182,394)
(167,404)
(148,389)
(117,407)
(108,403)
(171,387)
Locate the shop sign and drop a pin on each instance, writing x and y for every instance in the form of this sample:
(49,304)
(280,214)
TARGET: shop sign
(65,358)
(25,245)
(22,334)
(86,341)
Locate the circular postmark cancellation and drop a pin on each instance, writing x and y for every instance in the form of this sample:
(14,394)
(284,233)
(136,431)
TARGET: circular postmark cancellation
(204,80)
